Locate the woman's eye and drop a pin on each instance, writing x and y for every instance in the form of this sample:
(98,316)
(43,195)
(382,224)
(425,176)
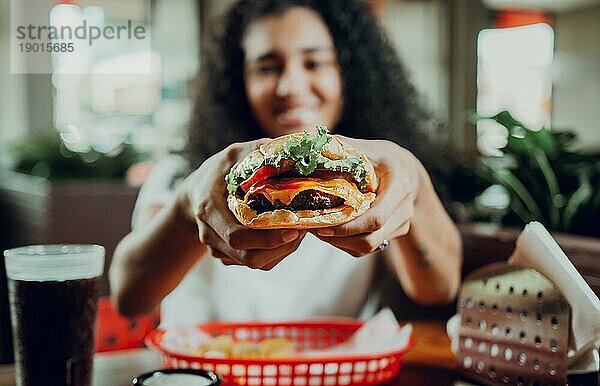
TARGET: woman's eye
(268,69)
(315,64)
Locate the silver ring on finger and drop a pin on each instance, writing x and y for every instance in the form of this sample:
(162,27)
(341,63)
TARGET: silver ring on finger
(384,244)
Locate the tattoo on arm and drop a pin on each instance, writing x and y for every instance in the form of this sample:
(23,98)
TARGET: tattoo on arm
(421,254)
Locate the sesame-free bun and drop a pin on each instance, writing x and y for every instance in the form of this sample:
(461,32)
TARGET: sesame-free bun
(306,219)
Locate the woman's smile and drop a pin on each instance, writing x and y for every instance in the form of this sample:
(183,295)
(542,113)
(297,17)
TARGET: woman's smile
(298,116)
(292,76)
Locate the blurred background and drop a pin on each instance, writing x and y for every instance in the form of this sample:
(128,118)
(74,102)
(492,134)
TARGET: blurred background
(517,83)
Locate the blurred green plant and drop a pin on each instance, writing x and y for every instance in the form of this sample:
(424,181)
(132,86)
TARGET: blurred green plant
(544,179)
(49,157)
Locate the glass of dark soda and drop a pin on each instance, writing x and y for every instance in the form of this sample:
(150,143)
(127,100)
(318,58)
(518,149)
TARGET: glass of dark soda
(53,295)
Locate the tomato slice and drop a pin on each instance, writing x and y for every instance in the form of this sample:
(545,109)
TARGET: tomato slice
(259,174)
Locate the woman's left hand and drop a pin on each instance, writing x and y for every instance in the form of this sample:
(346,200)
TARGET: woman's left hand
(391,213)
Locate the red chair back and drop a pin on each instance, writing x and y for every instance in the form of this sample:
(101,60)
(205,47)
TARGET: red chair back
(117,332)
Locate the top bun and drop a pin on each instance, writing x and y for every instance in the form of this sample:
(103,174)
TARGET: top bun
(333,150)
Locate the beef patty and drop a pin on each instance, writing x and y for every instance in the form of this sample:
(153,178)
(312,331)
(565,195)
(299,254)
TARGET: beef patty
(305,200)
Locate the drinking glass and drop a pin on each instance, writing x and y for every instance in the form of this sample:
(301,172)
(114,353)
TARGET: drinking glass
(53,296)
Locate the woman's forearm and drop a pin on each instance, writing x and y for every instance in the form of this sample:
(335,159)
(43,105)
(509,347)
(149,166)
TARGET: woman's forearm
(428,259)
(150,261)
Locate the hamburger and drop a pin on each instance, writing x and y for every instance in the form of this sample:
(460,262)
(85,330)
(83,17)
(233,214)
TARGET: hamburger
(300,181)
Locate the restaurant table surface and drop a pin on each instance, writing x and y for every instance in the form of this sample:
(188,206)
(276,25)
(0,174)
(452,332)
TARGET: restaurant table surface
(429,363)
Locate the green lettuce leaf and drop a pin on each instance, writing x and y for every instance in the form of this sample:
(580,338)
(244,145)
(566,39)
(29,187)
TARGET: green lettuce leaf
(351,165)
(305,151)
(240,173)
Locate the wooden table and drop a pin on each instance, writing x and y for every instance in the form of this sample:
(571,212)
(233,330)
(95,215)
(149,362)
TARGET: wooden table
(430,363)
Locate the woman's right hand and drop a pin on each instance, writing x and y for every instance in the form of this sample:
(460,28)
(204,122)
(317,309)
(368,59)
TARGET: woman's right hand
(203,198)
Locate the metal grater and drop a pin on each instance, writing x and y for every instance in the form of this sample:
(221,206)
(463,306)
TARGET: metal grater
(514,327)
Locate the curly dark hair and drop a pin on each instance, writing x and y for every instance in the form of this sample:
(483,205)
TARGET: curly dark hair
(379,101)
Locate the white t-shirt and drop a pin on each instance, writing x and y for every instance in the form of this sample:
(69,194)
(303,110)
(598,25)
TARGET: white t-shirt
(317,279)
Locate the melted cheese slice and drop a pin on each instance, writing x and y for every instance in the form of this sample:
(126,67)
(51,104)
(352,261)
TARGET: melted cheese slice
(286,190)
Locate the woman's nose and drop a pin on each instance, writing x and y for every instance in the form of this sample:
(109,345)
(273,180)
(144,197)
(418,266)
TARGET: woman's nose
(293,81)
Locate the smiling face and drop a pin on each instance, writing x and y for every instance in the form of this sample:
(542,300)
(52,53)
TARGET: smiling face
(291,73)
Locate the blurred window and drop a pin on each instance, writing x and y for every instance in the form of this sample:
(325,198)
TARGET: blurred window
(126,91)
(513,73)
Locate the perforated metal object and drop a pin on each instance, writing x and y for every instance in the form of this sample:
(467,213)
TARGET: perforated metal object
(514,327)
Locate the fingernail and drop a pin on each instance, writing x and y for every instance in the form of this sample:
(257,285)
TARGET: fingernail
(325,232)
(290,235)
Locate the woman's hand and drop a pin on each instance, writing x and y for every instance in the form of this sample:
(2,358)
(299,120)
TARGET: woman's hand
(425,245)
(203,197)
(391,213)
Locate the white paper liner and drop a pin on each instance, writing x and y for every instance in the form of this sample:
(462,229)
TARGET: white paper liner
(379,335)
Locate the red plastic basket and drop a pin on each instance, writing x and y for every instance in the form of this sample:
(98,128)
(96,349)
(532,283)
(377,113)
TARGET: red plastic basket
(310,371)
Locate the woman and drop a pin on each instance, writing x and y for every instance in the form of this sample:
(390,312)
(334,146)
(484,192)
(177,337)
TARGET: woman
(279,67)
